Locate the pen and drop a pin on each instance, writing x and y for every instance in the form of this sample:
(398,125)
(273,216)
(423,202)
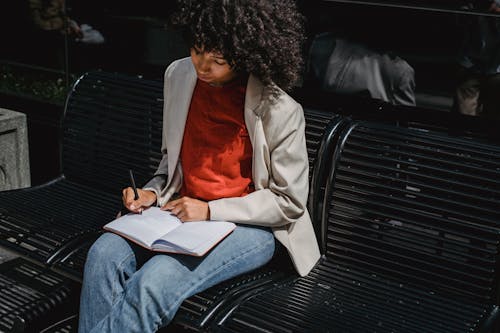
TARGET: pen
(132,180)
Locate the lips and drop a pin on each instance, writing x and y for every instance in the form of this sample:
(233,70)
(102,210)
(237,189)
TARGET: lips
(204,77)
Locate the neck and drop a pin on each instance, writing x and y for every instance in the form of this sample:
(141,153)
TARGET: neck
(219,84)
(241,77)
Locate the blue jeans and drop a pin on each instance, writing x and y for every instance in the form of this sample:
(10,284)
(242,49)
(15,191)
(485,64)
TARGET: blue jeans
(127,288)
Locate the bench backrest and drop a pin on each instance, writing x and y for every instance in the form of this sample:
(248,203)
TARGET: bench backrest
(322,130)
(112,124)
(416,206)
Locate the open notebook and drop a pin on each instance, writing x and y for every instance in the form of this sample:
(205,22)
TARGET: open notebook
(159,230)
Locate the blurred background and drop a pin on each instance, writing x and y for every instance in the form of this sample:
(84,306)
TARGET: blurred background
(439,55)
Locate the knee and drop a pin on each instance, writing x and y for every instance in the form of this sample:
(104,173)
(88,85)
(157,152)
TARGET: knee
(268,245)
(259,240)
(106,248)
(253,235)
(160,284)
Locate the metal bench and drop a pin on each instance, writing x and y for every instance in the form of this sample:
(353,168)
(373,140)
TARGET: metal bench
(411,235)
(108,118)
(406,214)
(30,292)
(112,123)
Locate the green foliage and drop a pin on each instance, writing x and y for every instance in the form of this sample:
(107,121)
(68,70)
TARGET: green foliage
(35,83)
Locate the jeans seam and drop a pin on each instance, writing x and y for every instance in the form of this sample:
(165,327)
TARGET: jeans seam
(219,268)
(114,293)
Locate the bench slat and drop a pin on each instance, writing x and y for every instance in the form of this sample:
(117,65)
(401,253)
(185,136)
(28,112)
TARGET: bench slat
(108,118)
(412,239)
(31,295)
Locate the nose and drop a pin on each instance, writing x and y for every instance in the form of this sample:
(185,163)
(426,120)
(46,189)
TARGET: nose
(203,63)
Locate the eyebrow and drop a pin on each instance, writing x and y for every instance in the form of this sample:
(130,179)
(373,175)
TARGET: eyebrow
(221,57)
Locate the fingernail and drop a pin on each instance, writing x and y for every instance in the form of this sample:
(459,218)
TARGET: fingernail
(132,207)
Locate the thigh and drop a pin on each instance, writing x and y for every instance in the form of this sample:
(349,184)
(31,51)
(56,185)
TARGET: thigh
(180,276)
(113,250)
(246,248)
(158,288)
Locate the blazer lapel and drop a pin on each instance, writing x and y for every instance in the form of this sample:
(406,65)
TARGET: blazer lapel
(253,98)
(177,108)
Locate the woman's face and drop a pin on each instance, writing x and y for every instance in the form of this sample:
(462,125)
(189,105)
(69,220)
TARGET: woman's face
(211,67)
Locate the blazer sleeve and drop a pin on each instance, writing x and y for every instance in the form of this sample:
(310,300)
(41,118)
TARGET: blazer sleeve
(283,200)
(159,180)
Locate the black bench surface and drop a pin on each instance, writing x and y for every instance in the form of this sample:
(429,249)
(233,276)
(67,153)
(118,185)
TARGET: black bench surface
(411,237)
(30,292)
(112,123)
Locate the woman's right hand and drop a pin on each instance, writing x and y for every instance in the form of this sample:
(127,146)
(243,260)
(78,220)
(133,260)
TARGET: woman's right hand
(146,199)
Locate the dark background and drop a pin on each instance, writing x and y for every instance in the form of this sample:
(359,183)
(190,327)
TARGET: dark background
(38,67)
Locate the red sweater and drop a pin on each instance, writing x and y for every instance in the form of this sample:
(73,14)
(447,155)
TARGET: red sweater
(216,153)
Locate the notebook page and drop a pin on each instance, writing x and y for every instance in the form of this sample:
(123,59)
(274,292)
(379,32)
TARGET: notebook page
(196,237)
(146,227)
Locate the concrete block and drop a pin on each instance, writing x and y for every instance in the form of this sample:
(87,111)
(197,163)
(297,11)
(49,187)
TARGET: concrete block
(14,150)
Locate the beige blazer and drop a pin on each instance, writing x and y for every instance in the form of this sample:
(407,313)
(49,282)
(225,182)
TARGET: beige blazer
(279,164)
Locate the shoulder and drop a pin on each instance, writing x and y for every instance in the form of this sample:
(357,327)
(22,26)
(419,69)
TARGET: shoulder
(279,108)
(269,103)
(179,67)
(281,117)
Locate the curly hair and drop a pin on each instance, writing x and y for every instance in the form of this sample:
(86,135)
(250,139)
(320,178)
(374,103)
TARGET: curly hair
(261,37)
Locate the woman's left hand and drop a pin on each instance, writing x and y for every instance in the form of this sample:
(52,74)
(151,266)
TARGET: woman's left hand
(188,209)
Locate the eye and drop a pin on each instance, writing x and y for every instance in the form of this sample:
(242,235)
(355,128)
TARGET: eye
(220,62)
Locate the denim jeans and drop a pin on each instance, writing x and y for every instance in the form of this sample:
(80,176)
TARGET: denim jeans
(127,288)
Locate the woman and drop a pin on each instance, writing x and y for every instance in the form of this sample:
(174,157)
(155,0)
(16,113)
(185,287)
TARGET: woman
(233,149)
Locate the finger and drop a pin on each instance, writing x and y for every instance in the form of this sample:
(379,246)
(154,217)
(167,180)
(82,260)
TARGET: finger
(127,200)
(182,216)
(175,202)
(129,195)
(124,194)
(169,205)
(147,198)
(135,209)
(176,211)
(131,204)
(123,197)
(135,206)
